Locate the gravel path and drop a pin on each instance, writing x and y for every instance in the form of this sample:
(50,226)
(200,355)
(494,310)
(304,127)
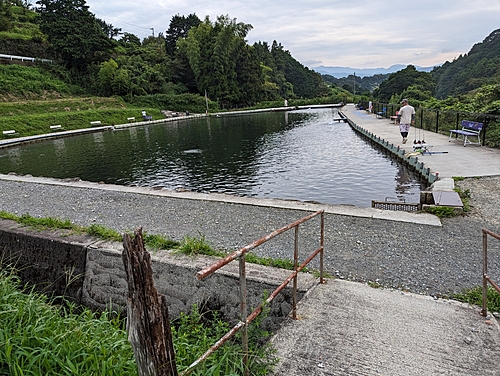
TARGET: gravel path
(419,258)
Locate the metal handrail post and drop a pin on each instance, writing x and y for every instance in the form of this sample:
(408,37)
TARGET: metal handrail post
(322,246)
(484,311)
(295,266)
(243,310)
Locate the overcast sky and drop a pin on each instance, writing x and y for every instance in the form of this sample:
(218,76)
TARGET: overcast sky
(357,34)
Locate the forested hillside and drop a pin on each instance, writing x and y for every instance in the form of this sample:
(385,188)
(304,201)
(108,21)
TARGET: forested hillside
(356,84)
(469,83)
(479,67)
(192,57)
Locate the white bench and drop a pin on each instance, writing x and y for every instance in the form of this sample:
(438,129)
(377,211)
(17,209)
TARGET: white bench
(131,119)
(469,129)
(55,127)
(98,122)
(9,133)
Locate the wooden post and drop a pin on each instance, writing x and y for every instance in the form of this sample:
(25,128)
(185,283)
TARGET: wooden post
(148,324)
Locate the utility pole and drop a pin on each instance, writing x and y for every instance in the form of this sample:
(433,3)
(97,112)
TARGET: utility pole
(153,30)
(354,83)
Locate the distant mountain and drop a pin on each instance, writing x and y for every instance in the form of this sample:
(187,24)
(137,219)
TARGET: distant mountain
(340,72)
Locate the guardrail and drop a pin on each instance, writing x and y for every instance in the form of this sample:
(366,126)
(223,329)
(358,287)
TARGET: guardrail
(24,58)
(240,254)
(486,277)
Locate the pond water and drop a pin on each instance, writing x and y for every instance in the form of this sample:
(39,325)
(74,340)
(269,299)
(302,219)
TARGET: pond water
(298,155)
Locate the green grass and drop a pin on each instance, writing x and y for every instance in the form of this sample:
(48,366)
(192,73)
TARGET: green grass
(193,337)
(189,245)
(474,296)
(102,232)
(34,117)
(39,338)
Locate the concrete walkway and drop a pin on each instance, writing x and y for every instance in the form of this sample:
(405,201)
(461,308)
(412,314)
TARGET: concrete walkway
(347,328)
(456,160)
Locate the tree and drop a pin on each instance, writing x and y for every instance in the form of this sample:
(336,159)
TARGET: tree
(179,28)
(481,66)
(74,33)
(213,51)
(401,80)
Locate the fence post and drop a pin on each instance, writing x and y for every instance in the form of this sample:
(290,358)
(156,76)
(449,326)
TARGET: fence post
(295,267)
(322,245)
(148,324)
(243,310)
(437,121)
(485,273)
(485,128)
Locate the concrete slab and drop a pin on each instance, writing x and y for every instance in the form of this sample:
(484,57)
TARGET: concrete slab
(348,328)
(444,198)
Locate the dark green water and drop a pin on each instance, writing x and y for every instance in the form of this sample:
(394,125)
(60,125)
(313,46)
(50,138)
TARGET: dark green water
(301,155)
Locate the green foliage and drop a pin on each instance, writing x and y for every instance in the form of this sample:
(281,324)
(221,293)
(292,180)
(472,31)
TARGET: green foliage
(474,296)
(74,33)
(465,196)
(103,232)
(176,102)
(196,246)
(21,82)
(37,338)
(40,223)
(214,52)
(40,338)
(408,79)
(159,242)
(178,29)
(441,211)
(481,66)
(268,261)
(193,336)
(364,85)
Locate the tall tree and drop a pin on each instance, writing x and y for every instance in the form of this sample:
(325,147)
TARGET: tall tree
(179,28)
(213,51)
(74,33)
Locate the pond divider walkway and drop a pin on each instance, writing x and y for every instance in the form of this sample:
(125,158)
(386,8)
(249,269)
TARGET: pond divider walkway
(451,158)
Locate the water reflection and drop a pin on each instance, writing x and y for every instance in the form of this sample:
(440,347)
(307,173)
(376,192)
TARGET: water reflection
(299,155)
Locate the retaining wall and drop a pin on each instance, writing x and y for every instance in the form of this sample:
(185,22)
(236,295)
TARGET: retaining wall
(90,272)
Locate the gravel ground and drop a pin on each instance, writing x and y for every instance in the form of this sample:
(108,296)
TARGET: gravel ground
(419,258)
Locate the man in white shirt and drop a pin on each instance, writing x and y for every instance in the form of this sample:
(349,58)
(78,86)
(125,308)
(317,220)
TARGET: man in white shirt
(407,114)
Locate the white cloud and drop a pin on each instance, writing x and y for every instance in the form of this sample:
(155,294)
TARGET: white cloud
(362,34)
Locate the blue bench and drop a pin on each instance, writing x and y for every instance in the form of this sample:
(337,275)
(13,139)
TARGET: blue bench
(382,114)
(469,129)
(147,117)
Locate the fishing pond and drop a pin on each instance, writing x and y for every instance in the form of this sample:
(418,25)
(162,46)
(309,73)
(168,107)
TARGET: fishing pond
(293,155)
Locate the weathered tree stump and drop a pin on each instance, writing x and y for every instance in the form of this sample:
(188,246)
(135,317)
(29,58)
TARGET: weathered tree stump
(148,324)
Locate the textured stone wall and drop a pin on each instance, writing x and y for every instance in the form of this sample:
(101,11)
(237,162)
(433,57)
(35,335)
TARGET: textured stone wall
(90,272)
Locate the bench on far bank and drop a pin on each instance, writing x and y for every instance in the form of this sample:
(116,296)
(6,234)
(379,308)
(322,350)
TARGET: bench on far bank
(11,132)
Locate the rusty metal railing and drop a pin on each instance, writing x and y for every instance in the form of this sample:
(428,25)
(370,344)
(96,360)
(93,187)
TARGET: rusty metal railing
(240,254)
(486,277)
